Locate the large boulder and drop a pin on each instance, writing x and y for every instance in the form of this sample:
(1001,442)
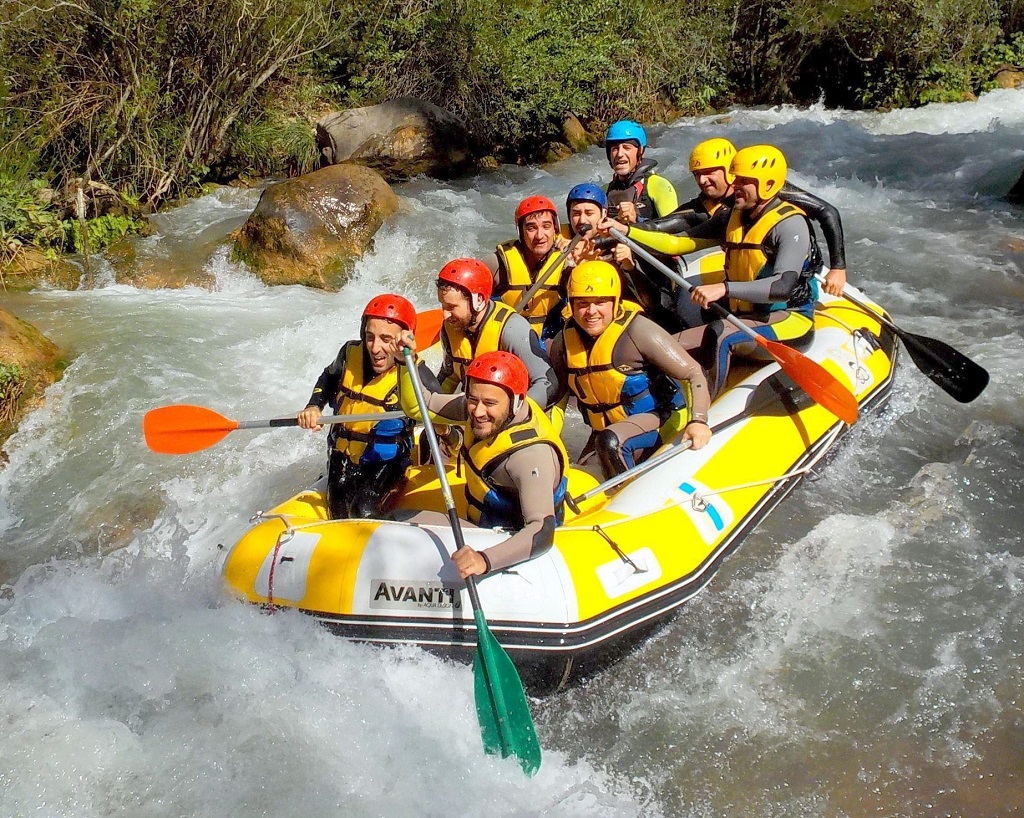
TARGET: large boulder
(29,362)
(401,138)
(311,230)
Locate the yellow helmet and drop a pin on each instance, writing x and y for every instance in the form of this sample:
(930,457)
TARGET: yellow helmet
(711,154)
(765,163)
(594,279)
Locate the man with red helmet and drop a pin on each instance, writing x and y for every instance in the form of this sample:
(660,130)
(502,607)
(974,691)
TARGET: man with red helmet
(517,264)
(516,462)
(367,460)
(473,325)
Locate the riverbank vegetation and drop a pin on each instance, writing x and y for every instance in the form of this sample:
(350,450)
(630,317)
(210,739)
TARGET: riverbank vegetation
(152,99)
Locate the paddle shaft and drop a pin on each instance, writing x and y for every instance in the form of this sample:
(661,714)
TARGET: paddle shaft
(717,309)
(658,459)
(324,420)
(522,303)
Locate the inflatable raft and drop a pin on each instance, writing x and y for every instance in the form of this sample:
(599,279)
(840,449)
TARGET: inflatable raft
(617,570)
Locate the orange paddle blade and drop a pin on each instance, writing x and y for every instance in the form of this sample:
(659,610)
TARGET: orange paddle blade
(183,429)
(823,387)
(428,328)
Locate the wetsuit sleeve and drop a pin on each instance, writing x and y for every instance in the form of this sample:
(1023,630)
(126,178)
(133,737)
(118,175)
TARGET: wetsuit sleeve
(443,408)
(786,245)
(687,215)
(535,473)
(327,384)
(499,275)
(655,346)
(559,366)
(519,338)
(670,245)
(662,194)
(827,217)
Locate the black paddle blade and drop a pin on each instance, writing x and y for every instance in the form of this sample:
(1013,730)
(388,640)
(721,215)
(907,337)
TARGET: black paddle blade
(957,374)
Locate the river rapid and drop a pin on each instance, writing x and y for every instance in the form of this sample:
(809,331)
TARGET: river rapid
(861,654)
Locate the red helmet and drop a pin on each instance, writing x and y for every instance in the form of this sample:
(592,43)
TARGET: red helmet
(500,369)
(469,274)
(535,204)
(392,308)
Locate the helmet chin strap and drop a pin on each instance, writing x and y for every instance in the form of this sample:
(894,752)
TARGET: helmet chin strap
(477,302)
(517,404)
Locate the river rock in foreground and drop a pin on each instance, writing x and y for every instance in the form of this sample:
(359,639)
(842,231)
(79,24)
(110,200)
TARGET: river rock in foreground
(401,138)
(29,362)
(311,230)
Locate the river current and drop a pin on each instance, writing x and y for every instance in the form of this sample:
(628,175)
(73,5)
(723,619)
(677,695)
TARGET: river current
(860,654)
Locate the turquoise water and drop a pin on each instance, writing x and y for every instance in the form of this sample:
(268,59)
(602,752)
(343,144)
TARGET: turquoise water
(859,655)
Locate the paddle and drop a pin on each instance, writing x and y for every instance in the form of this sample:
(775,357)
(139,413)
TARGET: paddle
(501,708)
(667,454)
(183,429)
(524,299)
(957,374)
(811,376)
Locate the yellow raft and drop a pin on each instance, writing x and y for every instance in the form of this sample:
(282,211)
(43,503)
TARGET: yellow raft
(616,571)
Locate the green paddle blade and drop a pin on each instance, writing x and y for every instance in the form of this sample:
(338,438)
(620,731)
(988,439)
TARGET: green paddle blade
(501,707)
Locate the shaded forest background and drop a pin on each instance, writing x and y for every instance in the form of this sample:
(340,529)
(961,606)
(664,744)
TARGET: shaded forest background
(152,99)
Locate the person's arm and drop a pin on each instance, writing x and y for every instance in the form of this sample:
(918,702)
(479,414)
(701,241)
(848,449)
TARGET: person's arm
(519,338)
(559,365)
(827,217)
(654,345)
(535,472)
(500,280)
(687,215)
(662,194)
(664,242)
(442,408)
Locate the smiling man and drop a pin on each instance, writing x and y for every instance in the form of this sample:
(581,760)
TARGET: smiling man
(473,325)
(516,463)
(635,192)
(367,460)
(517,264)
(629,376)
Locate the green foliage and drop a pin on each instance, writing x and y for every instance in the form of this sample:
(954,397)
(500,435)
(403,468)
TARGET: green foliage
(27,217)
(12,387)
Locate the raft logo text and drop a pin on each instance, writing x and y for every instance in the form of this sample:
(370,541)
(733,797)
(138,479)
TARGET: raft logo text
(391,593)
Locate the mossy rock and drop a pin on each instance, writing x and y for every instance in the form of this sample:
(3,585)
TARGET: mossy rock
(31,268)
(311,230)
(29,362)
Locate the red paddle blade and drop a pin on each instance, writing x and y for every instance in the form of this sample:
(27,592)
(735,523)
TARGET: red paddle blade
(183,429)
(428,328)
(823,387)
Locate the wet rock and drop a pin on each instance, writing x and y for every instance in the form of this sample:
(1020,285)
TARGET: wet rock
(556,152)
(1016,193)
(29,362)
(311,230)
(153,272)
(114,525)
(575,135)
(31,268)
(401,138)
(1009,76)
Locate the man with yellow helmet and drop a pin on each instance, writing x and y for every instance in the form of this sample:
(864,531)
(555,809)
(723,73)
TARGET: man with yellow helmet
(709,164)
(628,375)
(769,265)
(367,460)
(515,461)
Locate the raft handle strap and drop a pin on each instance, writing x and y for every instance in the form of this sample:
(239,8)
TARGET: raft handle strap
(622,554)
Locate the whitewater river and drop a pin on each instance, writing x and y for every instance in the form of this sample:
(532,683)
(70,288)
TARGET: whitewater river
(861,654)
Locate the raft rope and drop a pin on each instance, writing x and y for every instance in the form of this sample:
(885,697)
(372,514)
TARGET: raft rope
(282,538)
(860,373)
(618,550)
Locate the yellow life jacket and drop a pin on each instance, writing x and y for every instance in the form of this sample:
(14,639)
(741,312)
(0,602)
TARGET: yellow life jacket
(367,439)
(604,394)
(744,251)
(491,505)
(547,298)
(461,348)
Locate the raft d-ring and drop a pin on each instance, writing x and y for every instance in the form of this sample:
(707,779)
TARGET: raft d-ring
(699,502)
(284,536)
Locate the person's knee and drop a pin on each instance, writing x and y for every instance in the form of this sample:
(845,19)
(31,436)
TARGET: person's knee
(609,452)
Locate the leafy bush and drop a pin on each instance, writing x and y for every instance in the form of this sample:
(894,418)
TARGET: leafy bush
(12,387)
